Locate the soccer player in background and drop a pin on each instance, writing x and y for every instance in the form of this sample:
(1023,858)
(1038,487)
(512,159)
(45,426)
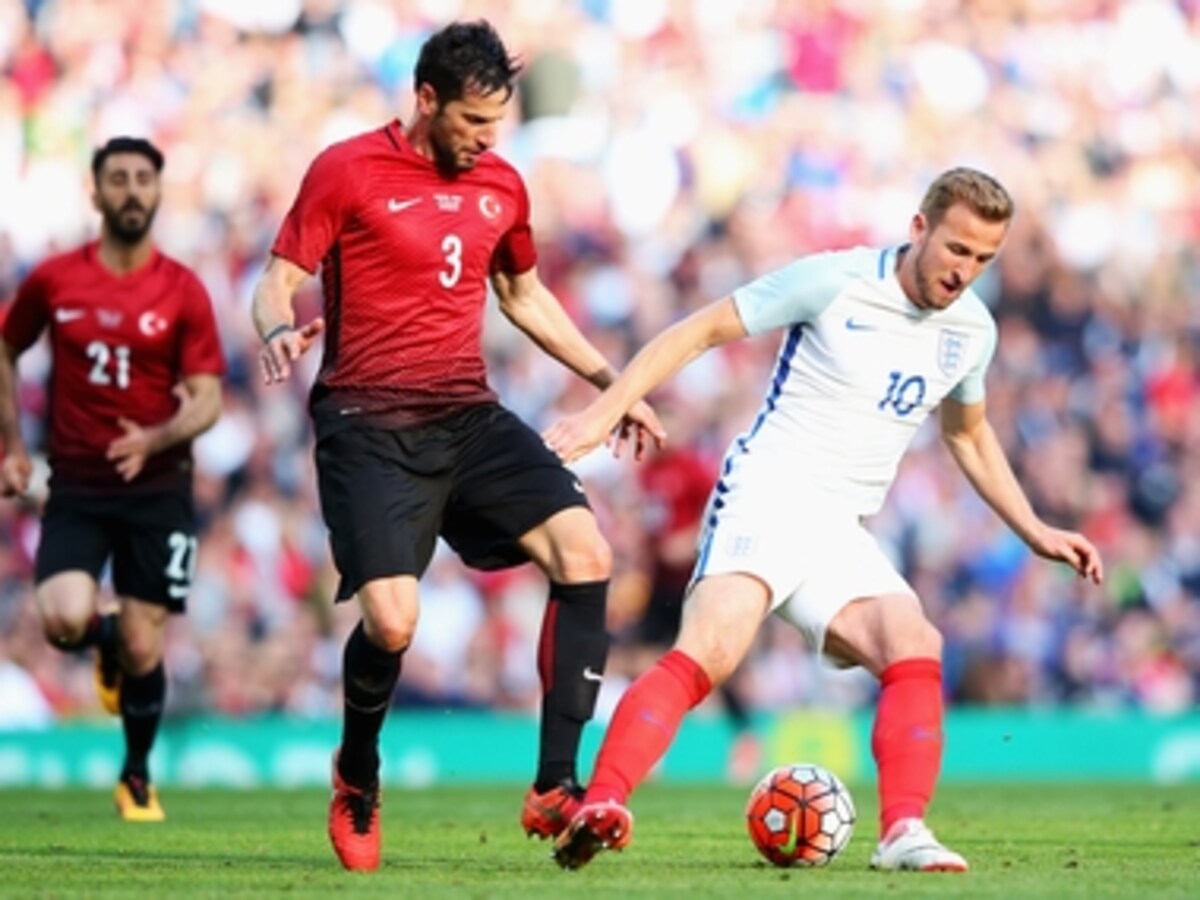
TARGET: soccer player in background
(408,224)
(875,340)
(136,376)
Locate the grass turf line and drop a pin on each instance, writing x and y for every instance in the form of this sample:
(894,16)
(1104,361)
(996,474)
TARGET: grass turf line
(1103,840)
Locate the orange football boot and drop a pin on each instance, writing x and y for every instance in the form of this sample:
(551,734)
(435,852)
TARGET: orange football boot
(137,801)
(546,814)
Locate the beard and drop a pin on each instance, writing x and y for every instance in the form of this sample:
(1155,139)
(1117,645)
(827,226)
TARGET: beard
(125,226)
(925,296)
(445,158)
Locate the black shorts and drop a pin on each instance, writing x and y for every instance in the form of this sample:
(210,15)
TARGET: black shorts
(149,537)
(480,478)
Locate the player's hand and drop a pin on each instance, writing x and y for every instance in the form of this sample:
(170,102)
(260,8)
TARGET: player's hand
(131,450)
(15,471)
(1072,548)
(278,354)
(575,436)
(639,426)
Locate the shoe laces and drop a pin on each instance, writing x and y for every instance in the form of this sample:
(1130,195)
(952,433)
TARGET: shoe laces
(568,787)
(908,828)
(360,804)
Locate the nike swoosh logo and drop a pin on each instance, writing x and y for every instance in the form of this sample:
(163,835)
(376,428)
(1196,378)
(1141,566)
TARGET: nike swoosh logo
(853,324)
(68,315)
(395,206)
(578,485)
(793,836)
(590,674)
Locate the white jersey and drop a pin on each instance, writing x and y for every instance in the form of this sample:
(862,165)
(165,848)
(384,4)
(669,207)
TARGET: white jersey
(859,369)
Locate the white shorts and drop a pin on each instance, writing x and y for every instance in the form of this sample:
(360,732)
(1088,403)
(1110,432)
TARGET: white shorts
(814,555)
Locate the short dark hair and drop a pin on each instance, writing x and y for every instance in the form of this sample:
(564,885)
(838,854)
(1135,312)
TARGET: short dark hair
(125,144)
(465,56)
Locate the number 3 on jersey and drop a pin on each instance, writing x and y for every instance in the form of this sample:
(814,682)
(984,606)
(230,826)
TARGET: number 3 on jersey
(452,247)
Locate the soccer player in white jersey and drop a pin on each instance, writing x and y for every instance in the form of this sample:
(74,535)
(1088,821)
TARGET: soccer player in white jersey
(874,340)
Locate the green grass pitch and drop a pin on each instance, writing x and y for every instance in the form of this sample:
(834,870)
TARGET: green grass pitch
(1110,840)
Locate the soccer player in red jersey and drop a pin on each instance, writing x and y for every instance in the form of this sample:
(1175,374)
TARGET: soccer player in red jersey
(408,224)
(136,376)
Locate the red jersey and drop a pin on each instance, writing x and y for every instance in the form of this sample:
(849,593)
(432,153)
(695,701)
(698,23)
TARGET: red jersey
(120,344)
(405,253)
(675,487)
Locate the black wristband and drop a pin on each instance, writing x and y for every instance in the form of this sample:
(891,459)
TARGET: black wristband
(277,331)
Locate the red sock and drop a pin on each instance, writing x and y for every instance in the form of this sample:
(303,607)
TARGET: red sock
(644,725)
(907,739)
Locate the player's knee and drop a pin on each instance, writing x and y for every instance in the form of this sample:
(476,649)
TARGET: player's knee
(711,652)
(141,651)
(390,610)
(920,639)
(391,632)
(877,632)
(930,640)
(63,632)
(719,664)
(583,560)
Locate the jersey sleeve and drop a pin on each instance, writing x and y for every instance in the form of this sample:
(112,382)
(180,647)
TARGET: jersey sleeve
(200,343)
(797,292)
(29,312)
(319,211)
(515,253)
(971,389)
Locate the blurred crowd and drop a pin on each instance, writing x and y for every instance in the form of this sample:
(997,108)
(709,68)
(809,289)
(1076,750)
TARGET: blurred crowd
(673,149)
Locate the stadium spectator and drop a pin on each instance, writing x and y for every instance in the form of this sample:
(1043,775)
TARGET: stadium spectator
(875,340)
(408,224)
(136,376)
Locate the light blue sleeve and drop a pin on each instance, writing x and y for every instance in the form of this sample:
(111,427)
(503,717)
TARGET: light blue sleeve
(971,388)
(797,292)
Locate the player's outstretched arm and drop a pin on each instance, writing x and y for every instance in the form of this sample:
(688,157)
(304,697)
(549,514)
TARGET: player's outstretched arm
(274,318)
(977,450)
(16,467)
(672,349)
(531,307)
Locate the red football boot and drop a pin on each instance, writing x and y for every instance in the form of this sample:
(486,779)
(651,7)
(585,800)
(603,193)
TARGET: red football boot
(354,824)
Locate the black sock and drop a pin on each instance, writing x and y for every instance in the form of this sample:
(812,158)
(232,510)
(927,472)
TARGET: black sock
(369,676)
(572,651)
(735,707)
(101,631)
(142,699)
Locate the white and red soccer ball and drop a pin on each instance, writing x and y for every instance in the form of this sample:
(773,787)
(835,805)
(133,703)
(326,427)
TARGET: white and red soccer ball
(800,815)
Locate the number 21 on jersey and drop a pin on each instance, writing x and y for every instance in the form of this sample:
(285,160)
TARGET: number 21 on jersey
(110,364)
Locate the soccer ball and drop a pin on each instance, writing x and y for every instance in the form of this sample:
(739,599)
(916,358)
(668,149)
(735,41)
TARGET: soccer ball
(800,815)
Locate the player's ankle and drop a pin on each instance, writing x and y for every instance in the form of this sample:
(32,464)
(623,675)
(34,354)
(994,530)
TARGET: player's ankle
(601,793)
(894,822)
